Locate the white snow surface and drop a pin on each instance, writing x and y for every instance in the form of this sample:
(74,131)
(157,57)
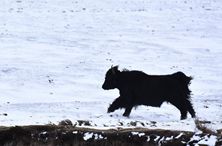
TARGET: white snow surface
(54,55)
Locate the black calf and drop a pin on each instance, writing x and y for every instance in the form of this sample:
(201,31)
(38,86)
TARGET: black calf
(137,88)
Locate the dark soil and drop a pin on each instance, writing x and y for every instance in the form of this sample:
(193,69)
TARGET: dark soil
(69,135)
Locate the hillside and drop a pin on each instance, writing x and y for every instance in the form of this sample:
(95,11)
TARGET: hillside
(54,55)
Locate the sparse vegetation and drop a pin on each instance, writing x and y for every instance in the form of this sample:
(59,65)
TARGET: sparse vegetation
(68,134)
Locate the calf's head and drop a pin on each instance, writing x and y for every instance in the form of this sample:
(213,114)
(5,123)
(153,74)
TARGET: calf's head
(111,78)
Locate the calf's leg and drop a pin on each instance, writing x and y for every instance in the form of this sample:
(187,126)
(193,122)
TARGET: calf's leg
(182,108)
(127,111)
(185,106)
(117,103)
(190,108)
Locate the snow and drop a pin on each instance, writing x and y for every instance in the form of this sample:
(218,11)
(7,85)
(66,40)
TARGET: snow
(98,136)
(210,141)
(54,55)
(169,138)
(177,137)
(43,133)
(137,133)
(206,140)
(87,136)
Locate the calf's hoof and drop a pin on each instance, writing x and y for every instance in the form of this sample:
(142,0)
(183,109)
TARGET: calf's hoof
(125,114)
(183,117)
(193,115)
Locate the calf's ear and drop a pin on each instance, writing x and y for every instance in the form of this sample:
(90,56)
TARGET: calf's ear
(114,69)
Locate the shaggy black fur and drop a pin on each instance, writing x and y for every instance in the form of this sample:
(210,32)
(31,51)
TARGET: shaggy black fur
(137,88)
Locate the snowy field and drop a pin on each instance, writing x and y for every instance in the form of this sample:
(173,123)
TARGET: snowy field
(54,55)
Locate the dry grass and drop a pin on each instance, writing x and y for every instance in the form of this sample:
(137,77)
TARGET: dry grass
(68,134)
(201,125)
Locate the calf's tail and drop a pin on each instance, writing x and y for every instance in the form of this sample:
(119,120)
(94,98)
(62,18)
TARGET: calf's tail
(184,82)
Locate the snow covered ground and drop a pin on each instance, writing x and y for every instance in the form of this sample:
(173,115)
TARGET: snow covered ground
(54,55)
